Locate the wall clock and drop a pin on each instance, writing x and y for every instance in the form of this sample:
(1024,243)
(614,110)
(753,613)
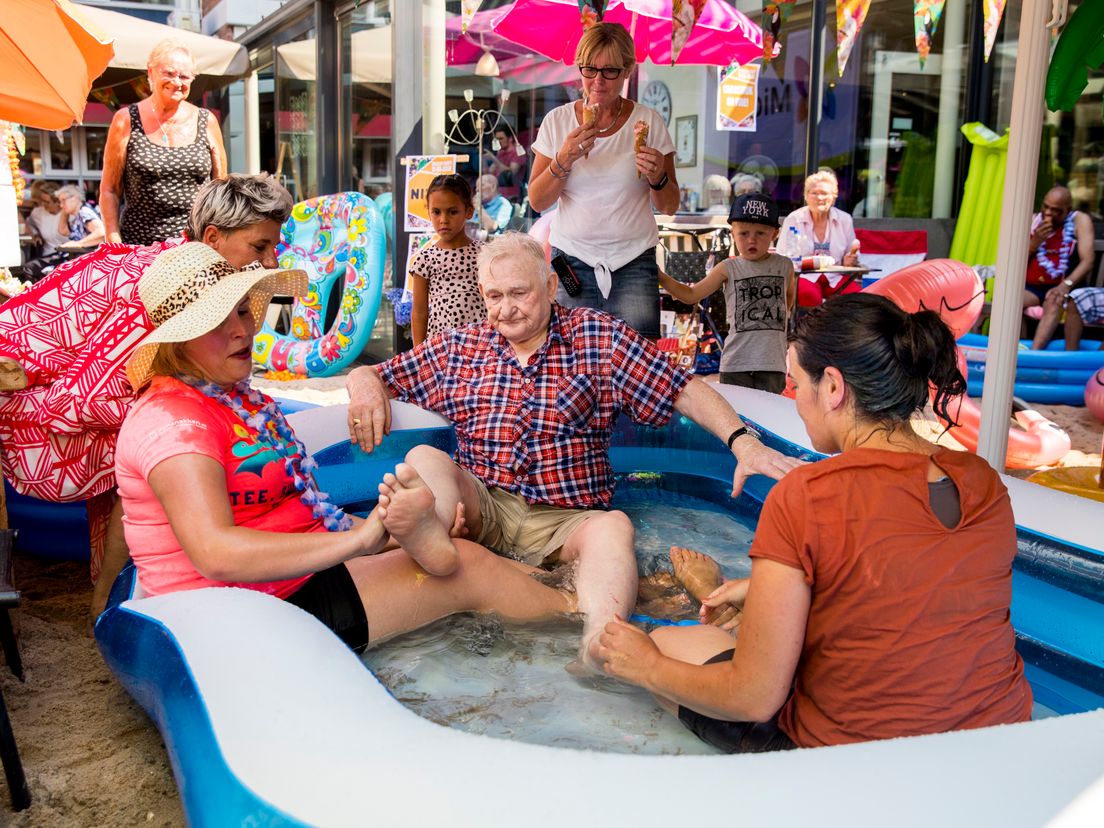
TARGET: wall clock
(657,96)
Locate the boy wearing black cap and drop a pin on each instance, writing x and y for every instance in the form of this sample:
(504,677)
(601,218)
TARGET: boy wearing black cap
(760,291)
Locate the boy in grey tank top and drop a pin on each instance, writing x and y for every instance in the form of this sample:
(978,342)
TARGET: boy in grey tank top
(760,291)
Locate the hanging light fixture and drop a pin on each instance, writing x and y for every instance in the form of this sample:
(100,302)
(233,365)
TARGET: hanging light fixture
(487,66)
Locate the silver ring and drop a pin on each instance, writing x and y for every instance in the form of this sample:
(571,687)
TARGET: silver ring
(582,148)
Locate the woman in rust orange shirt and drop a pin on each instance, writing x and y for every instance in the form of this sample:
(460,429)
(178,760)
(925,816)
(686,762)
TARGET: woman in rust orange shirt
(878,604)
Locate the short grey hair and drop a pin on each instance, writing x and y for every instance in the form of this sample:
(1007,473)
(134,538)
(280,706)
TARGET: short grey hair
(746,183)
(166,47)
(518,246)
(238,201)
(70,190)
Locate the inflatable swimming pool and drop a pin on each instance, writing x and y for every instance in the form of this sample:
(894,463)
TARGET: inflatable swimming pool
(1053,376)
(269,719)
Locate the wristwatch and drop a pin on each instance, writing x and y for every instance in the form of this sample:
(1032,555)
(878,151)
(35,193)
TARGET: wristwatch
(1068,282)
(740,432)
(659,185)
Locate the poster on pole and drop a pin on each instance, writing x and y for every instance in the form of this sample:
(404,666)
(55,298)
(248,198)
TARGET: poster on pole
(416,244)
(737,97)
(420,171)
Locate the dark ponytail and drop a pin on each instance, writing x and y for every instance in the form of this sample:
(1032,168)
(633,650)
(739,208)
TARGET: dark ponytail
(888,357)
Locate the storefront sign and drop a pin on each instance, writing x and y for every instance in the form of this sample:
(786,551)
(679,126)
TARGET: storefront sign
(420,171)
(737,96)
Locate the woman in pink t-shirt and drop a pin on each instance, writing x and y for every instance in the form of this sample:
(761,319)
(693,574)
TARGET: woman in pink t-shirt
(881,577)
(216,489)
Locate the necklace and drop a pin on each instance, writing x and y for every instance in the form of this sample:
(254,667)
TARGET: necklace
(620,103)
(161,126)
(1065,248)
(273,431)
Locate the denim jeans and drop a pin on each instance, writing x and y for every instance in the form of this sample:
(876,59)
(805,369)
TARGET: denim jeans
(634,296)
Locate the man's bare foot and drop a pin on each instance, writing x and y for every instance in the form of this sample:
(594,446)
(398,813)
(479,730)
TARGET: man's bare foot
(12,375)
(699,574)
(587,664)
(406,509)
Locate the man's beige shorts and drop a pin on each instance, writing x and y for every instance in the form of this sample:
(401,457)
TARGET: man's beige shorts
(525,531)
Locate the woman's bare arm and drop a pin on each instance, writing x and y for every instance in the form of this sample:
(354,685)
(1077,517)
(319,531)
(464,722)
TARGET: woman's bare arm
(202,520)
(111,183)
(756,683)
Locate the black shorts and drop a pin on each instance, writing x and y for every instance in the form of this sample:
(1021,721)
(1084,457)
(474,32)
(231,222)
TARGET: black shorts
(735,737)
(332,597)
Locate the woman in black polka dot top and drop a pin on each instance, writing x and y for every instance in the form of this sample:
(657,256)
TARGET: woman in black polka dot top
(159,152)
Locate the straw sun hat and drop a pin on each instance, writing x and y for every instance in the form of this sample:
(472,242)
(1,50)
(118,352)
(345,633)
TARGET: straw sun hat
(190,290)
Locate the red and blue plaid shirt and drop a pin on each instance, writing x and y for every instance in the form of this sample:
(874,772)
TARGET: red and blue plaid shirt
(542,431)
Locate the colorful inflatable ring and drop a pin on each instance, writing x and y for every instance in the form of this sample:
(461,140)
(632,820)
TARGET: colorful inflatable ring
(956,292)
(334,237)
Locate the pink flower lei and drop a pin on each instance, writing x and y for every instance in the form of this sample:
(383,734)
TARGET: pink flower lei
(273,430)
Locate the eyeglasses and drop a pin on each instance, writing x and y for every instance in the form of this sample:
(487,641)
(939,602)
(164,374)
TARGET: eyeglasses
(608,72)
(177,76)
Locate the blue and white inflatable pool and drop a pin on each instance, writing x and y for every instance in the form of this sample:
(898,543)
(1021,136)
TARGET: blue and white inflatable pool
(270,720)
(1053,376)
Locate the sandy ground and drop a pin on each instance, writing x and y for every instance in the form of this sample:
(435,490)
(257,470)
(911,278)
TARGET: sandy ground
(91,755)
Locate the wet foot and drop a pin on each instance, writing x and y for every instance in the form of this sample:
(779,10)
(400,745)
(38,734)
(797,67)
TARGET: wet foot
(661,596)
(699,574)
(407,511)
(587,664)
(12,375)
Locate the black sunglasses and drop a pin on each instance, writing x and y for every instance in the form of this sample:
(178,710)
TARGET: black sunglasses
(608,72)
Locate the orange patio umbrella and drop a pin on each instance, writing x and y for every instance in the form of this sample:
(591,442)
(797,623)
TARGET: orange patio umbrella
(50,54)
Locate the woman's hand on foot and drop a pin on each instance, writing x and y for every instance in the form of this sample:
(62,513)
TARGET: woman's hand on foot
(722,606)
(627,652)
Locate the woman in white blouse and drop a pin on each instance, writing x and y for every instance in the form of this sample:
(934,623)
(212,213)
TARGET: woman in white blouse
(606,186)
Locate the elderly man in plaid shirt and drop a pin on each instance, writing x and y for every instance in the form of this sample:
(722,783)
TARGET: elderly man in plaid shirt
(533,393)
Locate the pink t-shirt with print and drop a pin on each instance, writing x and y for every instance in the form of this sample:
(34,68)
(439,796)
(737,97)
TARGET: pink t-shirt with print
(171,419)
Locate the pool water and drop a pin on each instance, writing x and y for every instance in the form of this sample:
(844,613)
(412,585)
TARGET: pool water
(478,675)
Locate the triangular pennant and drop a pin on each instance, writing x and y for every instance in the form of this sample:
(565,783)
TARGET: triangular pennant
(591,11)
(684,14)
(850,16)
(775,13)
(926,14)
(994,11)
(468,8)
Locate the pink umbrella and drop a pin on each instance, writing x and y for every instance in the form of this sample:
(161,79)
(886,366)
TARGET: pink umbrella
(552,28)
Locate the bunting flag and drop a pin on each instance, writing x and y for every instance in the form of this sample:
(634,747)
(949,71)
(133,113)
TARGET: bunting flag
(591,11)
(926,14)
(775,13)
(684,14)
(850,16)
(994,11)
(468,8)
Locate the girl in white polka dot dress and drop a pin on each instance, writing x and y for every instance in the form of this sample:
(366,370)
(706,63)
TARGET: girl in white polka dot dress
(446,280)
